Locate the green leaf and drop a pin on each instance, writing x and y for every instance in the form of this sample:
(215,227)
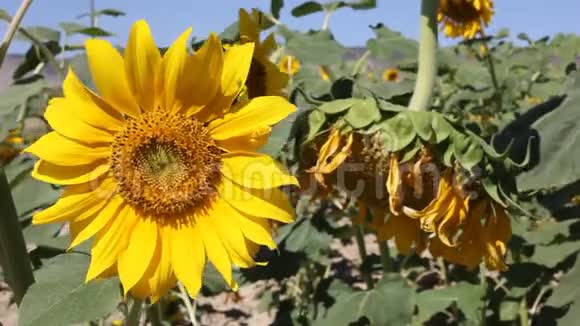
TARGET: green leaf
(467,297)
(363,4)
(392,46)
(307,8)
(509,310)
(317,48)
(551,255)
(363,113)
(71,28)
(337,106)
(4,15)
(110,12)
(34,57)
(16,95)
(372,306)
(28,193)
(316,120)
(61,297)
(278,136)
(397,132)
(568,291)
(558,158)
(42,33)
(305,237)
(544,232)
(275,7)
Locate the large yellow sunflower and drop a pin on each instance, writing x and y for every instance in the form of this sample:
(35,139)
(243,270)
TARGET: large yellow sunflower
(464,18)
(158,168)
(264,78)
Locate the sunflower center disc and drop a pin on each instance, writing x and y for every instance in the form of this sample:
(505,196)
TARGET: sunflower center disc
(459,10)
(166,163)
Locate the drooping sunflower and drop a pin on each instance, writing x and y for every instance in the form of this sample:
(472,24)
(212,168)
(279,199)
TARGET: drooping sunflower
(265,78)
(357,165)
(159,168)
(464,18)
(468,225)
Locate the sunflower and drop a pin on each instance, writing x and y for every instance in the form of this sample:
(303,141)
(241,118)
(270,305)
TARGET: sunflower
(391,74)
(464,18)
(289,65)
(158,168)
(468,227)
(264,78)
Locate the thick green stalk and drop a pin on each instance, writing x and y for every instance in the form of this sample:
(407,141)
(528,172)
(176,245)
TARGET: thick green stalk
(423,93)
(362,250)
(15,260)
(386,260)
(134,317)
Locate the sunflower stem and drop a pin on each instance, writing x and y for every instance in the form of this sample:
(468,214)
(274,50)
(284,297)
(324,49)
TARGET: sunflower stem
(483,283)
(12,28)
(386,260)
(360,62)
(524,312)
(362,250)
(15,261)
(188,306)
(134,316)
(154,314)
(427,72)
(492,73)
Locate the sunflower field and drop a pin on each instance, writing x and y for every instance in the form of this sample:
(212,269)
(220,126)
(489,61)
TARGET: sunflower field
(263,175)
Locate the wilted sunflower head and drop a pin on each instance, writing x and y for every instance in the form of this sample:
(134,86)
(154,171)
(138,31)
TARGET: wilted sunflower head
(289,65)
(464,18)
(455,215)
(159,168)
(264,77)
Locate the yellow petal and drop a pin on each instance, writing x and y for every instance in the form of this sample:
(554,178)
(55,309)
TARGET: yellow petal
(257,230)
(247,143)
(59,150)
(69,125)
(86,105)
(215,250)
(270,203)
(172,72)
(110,242)
(255,171)
(142,61)
(161,277)
(108,71)
(136,259)
(69,175)
(188,257)
(75,200)
(98,220)
(258,113)
(202,76)
(237,61)
(229,231)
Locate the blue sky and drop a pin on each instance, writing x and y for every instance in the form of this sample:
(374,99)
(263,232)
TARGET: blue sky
(168,18)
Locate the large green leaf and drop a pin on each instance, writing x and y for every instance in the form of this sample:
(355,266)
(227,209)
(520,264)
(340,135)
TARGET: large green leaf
(279,136)
(390,302)
(307,8)
(392,46)
(551,255)
(16,95)
(567,292)
(28,193)
(316,48)
(303,236)
(467,297)
(363,113)
(61,297)
(559,144)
